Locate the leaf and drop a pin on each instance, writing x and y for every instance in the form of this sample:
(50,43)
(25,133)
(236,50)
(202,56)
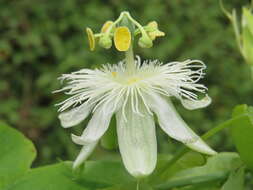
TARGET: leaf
(53,177)
(191,159)
(109,172)
(96,174)
(129,186)
(242,133)
(216,169)
(17,155)
(222,162)
(235,180)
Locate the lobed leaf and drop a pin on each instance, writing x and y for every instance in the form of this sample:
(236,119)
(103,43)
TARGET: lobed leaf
(17,155)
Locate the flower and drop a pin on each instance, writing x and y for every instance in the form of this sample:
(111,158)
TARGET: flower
(134,95)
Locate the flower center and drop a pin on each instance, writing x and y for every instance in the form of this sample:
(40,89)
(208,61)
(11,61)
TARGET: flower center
(133,80)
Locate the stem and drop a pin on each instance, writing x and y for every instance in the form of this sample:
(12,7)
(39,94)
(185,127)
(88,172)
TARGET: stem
(175,158)
(138,185)
(225,11)
(233,19)
(237,32)
(143,32)
(251,71)
(130,65)
(116,22)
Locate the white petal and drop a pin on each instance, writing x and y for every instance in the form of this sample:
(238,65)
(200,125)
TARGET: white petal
(74,116)
(84,153)
(174,125)
(97,126)
(196,104)
(201,146)
(137,141)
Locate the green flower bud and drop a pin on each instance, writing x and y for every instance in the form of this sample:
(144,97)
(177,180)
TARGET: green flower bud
(145,42)
(105,41)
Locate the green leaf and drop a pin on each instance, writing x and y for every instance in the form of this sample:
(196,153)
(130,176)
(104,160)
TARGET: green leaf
(53,177)
(235,180)
(95,175)
(216,169)
(242,133)
(204,186)
(133,186)
(223,162)
(108,172)
(191,159)
(17,154)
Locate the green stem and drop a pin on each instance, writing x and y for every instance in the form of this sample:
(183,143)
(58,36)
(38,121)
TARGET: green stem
(138,185)
(237,31)
(130,65)
(251,71)
(143,32)
(233,19)
(116,22)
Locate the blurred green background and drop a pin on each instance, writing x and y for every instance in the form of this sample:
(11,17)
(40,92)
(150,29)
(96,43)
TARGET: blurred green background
(41,39)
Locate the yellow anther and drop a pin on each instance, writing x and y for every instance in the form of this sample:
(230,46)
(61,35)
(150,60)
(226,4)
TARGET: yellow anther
(106,25)
(153,24)
(154,31)
(155,34)
(122,38)
(91,39)
(114,74)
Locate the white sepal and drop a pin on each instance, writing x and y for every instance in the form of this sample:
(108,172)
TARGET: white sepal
(74,116)
(84,153)
(170,121)
(137,141)
(97,126)
(196,104)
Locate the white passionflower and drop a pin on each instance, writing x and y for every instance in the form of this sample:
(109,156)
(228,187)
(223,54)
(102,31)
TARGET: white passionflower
(134,95)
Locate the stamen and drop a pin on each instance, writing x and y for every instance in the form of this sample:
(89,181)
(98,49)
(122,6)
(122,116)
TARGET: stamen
(114,74)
